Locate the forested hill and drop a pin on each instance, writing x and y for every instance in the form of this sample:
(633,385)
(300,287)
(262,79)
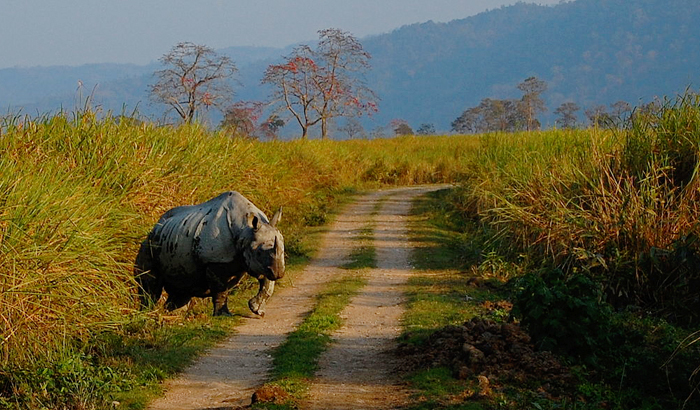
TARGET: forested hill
(588,51)
(591,52)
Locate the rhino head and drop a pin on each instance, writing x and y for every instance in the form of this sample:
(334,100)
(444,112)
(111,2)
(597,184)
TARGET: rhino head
(265,255)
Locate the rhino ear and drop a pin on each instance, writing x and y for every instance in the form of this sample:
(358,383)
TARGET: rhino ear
(253,221)
(277,217)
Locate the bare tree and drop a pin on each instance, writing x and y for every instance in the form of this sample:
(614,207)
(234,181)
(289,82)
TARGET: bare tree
(194,76)
(344,91)
(620,113)
(532,102)
(296,81)
(315,86)
(598,116)
(352,127)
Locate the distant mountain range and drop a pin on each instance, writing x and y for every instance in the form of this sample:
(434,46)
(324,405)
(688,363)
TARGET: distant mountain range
(592,52)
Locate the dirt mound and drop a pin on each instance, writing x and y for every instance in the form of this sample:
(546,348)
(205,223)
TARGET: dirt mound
(271,394)
(483,348)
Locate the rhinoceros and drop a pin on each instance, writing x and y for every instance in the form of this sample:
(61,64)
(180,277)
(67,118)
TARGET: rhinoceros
(205,250)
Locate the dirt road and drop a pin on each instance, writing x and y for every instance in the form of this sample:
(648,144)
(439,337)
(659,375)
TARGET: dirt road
(356,372)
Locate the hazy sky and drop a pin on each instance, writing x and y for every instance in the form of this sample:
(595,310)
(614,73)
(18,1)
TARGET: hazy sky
(74,32)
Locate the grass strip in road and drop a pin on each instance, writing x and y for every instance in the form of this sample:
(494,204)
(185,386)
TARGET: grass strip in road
(364,255)
(295,361)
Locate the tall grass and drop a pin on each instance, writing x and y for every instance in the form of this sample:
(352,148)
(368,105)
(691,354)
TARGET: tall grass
(606,223)
(79,192)
(619,205)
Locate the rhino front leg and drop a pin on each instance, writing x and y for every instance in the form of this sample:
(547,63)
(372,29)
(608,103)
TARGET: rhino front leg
(257,303)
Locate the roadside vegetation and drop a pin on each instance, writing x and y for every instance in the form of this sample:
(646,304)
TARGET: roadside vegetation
(592,237)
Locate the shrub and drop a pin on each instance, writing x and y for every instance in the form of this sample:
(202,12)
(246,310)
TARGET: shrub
(611,218)
(564,313)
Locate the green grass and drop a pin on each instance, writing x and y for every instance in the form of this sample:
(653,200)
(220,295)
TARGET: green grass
(295,362)
(157,355)
(442,292)
(362,257)
(440,390)
(616,209)
(364,254)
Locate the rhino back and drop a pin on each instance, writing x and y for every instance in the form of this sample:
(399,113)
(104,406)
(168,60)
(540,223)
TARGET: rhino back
(215,231)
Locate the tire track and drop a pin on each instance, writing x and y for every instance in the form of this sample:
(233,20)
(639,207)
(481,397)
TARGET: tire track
(358,371)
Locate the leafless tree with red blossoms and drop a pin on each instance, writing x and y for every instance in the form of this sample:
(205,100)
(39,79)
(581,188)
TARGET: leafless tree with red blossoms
(315,86)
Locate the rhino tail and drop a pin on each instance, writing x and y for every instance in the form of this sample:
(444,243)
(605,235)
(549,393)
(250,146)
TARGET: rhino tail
(150,285)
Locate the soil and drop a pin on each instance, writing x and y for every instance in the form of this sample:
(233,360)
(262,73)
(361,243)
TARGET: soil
(359,370)
(492,353)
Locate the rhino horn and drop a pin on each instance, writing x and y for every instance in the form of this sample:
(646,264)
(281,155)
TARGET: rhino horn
(276,218)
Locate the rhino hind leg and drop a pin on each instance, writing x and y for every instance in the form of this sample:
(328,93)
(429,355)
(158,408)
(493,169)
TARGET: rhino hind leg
(257,303)
(150,285)
(177,300)
(220,302)
(220,286)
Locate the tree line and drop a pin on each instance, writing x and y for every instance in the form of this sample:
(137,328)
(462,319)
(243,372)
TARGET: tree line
(512,115)
(505,115)
(312,86)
